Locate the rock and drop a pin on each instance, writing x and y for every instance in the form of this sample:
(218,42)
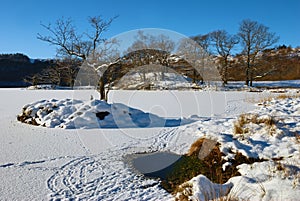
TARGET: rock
(102,115)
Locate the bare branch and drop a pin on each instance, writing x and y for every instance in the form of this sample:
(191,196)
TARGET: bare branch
(100,26)
(223,44)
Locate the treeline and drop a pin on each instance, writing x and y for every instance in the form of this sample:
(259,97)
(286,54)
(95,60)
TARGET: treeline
(14,68)
(18,70)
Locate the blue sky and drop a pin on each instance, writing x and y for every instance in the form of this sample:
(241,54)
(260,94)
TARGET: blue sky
(20,20)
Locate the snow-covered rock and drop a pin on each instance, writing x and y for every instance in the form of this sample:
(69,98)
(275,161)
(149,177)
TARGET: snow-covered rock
(201,188)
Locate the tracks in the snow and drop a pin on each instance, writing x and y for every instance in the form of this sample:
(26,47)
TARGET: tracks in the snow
(106,176)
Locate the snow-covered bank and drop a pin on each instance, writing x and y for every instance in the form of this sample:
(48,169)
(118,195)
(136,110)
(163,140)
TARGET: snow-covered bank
(39,163)
(278,142)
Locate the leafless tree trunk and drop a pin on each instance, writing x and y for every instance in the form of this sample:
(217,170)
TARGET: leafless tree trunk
(255,38)
(197,56)
(223,43)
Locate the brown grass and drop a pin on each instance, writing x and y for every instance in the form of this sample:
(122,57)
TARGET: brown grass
(288,169)
(240,126)
(184,191)
(273,96)
(260,100)
(196,146)
(297,136)
(204,157)
(228,197)
(202,147)
(285,96)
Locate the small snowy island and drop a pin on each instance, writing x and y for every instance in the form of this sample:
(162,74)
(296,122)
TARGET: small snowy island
(77,114)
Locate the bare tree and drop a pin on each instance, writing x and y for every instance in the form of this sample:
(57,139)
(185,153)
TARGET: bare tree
(32,80)
(79,46)
(203,41)
(255,37)
(65,71)
(223,43)
(63,35)
(204,61)
(199,58)
(150,42)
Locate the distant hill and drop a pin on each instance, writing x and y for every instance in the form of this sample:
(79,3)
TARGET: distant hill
(275,64)
(15,67)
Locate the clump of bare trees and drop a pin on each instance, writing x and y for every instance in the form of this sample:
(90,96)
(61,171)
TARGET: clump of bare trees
(255,38)
(149,49)
(252,38)
(93,52)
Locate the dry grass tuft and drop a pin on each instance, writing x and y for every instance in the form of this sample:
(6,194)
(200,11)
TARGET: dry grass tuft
(184,191)
(196,146)
(285,96)
(228,197)
(202,147)
(241,126)
(268,98)
(265,98)
(289,170)
(297,136)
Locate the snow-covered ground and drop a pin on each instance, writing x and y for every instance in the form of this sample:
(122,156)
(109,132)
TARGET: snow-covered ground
(40,163)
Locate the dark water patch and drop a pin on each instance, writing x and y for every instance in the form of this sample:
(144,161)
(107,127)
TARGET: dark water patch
(154,165)
(173,170)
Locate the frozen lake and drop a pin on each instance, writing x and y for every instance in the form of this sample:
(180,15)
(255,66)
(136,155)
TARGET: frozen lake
(38,163)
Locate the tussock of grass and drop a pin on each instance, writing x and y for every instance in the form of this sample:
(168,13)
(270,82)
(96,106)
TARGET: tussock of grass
(203,147)
(196,146)
(184,191)
(208,164)
(285,96)
(241,125)
(228,197)
(289,170)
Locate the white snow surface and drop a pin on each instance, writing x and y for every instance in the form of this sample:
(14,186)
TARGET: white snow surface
(41,163)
